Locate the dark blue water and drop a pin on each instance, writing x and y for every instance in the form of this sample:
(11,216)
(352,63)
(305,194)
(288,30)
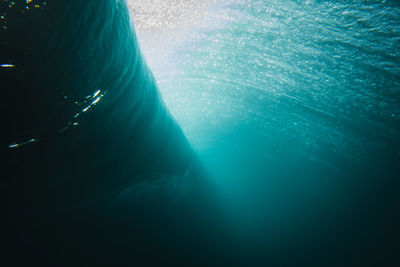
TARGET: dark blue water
(291,110)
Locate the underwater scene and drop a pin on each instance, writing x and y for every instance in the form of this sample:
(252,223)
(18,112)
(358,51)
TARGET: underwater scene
(200,133)
(294,107)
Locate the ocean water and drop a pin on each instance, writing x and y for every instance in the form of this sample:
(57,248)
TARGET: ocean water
(94,171)
(294,107)
(247,133)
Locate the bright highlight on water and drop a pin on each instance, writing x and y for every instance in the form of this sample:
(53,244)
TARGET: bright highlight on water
(7,66)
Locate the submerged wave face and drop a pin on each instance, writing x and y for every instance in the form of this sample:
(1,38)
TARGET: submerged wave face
(96,172)
(294,108)
(79,94)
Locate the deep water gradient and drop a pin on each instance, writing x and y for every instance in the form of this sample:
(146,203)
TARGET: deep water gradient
(292,107)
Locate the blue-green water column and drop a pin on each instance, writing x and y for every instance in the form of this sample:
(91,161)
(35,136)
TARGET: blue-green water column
(294,106)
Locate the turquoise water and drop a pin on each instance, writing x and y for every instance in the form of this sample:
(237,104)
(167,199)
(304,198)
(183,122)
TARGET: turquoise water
(294,107)
(291,109)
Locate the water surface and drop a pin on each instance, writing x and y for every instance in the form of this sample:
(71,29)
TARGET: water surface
(294,106)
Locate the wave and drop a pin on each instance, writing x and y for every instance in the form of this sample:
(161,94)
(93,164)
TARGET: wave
(96,169)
